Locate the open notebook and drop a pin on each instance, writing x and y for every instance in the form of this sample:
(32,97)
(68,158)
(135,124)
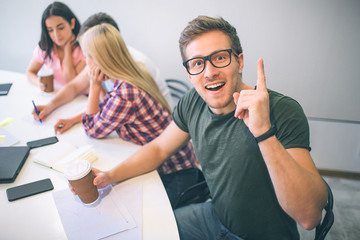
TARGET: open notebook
(59,155)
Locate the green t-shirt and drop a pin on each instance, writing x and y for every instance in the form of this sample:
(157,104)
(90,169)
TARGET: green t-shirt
(242,192)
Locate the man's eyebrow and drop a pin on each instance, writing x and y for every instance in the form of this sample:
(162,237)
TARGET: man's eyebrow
(201,56)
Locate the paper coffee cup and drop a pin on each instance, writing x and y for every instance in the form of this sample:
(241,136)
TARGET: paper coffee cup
(47,78)
(81,178)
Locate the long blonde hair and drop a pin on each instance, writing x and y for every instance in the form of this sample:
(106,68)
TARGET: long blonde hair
(105,45)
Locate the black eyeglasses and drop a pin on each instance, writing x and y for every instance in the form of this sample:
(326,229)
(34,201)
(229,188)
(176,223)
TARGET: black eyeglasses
(219,59)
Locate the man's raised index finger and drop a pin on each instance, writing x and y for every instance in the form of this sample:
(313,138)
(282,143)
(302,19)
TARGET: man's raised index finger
(261,83)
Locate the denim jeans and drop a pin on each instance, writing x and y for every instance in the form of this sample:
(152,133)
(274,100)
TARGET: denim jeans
(199,221)
(177,182)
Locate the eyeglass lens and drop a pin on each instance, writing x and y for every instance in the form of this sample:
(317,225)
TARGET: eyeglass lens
(218,59)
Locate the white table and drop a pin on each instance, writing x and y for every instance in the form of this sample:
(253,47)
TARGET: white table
(36,217)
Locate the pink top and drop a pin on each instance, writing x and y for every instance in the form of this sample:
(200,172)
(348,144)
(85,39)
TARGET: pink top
(55,64)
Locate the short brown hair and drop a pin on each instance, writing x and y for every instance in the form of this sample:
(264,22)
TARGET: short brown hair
(204,24)
(96,19)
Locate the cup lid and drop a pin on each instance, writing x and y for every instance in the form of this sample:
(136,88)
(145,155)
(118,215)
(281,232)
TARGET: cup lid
(45,72)
(78,169)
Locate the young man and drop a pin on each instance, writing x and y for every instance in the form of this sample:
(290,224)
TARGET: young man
(252,144)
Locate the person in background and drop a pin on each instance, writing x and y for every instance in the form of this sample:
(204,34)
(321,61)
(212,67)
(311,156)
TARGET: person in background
(252,144)
(81,82)
(135,108)
(58,49)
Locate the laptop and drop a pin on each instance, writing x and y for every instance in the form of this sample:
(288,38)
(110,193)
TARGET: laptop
(11,161)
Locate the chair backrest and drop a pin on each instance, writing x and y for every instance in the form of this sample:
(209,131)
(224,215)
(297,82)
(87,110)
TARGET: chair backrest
(324,226)
(177,88)
(197,193)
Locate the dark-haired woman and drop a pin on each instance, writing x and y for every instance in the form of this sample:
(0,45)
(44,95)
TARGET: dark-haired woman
(58,49)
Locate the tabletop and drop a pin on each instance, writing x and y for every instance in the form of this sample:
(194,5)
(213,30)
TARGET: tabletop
(36,217)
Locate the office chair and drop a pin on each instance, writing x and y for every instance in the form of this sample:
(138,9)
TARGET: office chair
(197,193)
(177,88)
(323,228)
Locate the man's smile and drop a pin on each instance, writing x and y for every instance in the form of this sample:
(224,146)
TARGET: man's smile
(215,86)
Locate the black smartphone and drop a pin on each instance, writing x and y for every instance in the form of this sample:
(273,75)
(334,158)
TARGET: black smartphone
(29,189)
(42,142)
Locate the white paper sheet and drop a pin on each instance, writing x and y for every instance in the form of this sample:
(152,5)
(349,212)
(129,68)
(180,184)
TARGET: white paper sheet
(131,196)
(107,217)
(7,139)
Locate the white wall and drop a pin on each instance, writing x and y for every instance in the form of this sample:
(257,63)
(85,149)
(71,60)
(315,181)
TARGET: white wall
(310,47)
(335,145)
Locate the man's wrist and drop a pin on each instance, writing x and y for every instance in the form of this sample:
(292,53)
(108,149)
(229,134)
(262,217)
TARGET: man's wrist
(271,132)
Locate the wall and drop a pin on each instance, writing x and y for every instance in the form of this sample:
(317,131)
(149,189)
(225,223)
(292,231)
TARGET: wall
(335,145)
(310,47)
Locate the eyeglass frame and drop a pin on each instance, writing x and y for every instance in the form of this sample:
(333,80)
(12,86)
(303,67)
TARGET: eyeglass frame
(208,57)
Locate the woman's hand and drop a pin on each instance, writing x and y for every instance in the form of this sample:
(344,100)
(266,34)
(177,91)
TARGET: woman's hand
(64,124)
(70,45)
(97,76)
(44,111)
(42,85)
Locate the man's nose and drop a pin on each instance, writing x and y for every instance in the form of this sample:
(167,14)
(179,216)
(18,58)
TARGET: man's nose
(209,69)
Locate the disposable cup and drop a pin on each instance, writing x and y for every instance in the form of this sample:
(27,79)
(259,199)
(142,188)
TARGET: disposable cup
(81,178)
(47,78)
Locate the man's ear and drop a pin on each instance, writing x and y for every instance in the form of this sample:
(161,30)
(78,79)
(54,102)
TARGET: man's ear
(240,61)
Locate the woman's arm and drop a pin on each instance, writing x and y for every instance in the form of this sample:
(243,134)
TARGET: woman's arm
(71,70)
(32,70)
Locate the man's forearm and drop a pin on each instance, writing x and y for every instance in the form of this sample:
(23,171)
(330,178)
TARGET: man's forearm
(298,186)
(65,95)
(71,90)
(146,159)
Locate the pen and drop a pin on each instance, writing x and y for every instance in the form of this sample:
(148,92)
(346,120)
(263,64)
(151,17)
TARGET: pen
(36,110)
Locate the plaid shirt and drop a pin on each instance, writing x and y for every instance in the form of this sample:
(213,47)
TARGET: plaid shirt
(136,117)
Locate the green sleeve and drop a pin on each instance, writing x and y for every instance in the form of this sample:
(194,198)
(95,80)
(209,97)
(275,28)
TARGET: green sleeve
(181,112)
(291,123)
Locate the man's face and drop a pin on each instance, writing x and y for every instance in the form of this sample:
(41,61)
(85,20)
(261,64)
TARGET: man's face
(216,85)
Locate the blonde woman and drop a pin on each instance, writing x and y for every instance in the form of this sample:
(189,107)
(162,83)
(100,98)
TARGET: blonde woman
(135,109)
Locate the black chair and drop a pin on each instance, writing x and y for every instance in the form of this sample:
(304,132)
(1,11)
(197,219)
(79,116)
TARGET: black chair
(177,88)
(197,193)
(324,226)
